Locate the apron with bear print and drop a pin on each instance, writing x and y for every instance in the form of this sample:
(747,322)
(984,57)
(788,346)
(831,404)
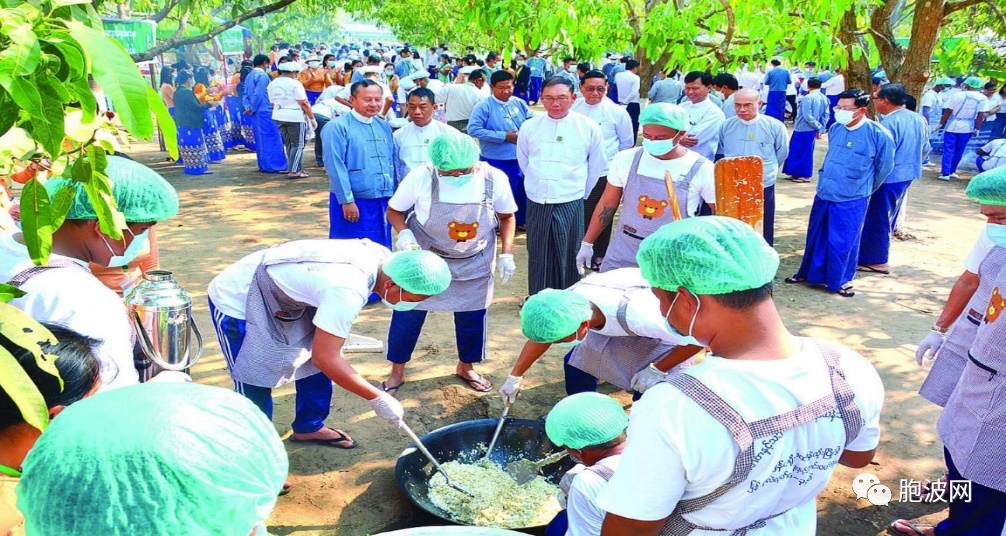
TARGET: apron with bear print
(464,235)
(645,208)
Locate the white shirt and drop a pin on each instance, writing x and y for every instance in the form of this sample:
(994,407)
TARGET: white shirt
(966,106)
(702,187)
(412,145)
(615,123)
(284,92)
(704,120)
(329,108)
(748,79)
(834,85)
(459,100)
(676,450)
(931,99)
(561,158)
(981,249)
(994,101)
(584,516)
(416,192)
(642,314)
(76,299)
(997,153)
(627,83)
(331,92)
(339,291)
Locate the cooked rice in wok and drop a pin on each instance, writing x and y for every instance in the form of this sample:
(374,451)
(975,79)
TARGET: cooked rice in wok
(499,501)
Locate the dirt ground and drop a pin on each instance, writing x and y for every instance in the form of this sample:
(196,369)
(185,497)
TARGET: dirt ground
(236,210)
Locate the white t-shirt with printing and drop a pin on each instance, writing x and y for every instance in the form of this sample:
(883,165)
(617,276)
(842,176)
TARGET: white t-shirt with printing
(702,187)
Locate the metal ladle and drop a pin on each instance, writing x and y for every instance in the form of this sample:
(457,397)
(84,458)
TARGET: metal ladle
(422,448)
(524,471)
(496,434)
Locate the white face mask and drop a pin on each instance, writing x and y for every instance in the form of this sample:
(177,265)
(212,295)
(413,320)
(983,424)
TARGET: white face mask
(402,305)
(132,251)
(844,116)
(313,63)
(570,344)
(685,339)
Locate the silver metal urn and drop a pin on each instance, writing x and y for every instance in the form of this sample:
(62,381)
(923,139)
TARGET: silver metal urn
(161,314)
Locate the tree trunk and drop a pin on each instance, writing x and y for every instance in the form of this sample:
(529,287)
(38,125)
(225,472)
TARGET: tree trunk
(914,70)
(857,72)
(648,69)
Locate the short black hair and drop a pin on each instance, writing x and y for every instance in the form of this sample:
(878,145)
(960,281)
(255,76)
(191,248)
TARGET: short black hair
(814,82)
(744,299)
(862,98)
(704,77)
(568,59)
(423,93)
(811,63)
(491,56)
(631,64)
(776,62)
(893,93)
(182,77)
(594,73)
(877,80)
(583,67)
(911,103)
(362,84)
(260,59)
(990,85)
(726,80)
(477,74)
(499,76)
(558,81)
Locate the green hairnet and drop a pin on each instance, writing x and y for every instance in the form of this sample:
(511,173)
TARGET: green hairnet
(552,314)
(707,255)
(943,82)
(585,420)
(419,272)
(142,195)
(157,458)
(453,150)
(989,188)
(665,115)
(974,82)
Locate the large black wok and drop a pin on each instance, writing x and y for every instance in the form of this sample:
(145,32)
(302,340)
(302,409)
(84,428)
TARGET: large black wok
(520,438)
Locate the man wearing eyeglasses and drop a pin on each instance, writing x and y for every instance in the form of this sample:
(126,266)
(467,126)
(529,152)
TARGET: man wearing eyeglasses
(562,156)
(616,127)
(752,134)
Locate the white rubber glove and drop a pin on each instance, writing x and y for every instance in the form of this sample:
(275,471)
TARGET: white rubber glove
(646,378)
(510,389)
(406,241)
(314,123)
(584,257)
(388,408)
(505,266)
(931,345)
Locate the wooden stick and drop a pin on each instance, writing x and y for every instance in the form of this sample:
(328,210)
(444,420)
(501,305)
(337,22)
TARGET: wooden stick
(672,193)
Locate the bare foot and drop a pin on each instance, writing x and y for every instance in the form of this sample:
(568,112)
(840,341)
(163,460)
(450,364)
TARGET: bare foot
(913,528)
(476,381)
(335,437)
(395,380)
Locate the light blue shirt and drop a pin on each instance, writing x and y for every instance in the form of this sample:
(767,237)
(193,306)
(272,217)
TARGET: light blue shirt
(764,137)
(363,168)
(812,113)
(667,90)
(857,162)
(728,106)
(911,144)
(489,123)
(777,79)
(255,97)
(537,66)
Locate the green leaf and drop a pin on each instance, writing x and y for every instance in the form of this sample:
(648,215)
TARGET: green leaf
(25,332)
(80,171)
(16,384)
(46,127)
(21,56)
(36,221)
(61,3)
(10,292)
(25,94)
(96,157)
(8,111)
(118,77)
(61,203)
(110,220)
(88,104)
(71,52)
(165,122)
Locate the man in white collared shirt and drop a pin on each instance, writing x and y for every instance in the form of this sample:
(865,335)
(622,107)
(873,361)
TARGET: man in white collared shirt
(412,142)
(562,156)
(460,99)
(627,83)
(704,116)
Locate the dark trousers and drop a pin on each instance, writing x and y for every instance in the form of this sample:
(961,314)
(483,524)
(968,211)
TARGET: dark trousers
(985,515)
(603,239)
(469,332)
(633,109)
(293,139)
(554,233)
(318,147)
(516,178)
(791,99)
(558,526)
(768,228)
(314,393)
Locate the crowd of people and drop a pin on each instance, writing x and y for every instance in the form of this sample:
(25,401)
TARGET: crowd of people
(433,160)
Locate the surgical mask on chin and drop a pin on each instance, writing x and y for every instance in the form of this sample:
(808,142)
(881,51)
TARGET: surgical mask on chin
(997,233)
(402,305)
(659,147)
(687,340)
(458,181)
(844,116)
(572,343)
(133,250)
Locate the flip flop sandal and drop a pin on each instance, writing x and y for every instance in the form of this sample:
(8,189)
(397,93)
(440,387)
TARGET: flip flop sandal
(391,389)
(794,280)
(478,384)
(286,489)
(872,270)
(328,442)
(801,180)
(915,526)
(846,292)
